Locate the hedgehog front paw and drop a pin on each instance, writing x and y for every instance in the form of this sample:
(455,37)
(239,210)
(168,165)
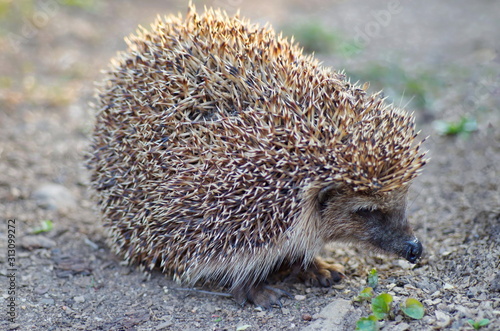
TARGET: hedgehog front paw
(321,273)
(261,295)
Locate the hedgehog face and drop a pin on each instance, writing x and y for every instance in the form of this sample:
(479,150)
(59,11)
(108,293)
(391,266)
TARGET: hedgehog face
(374,219)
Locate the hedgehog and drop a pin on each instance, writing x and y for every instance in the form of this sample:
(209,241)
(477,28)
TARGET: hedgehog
(221,153)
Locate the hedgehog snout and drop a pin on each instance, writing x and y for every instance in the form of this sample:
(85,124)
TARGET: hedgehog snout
(413,250)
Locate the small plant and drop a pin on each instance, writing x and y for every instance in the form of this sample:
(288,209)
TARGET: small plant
(369,323)
(10,9)
(381,305)
(365,295)
(413,308)
(463,127)
(85,4)
(315,37)
(4,8)
(45,226)
(373,278)
(478,324)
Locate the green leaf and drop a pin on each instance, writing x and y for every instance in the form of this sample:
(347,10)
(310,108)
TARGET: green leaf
(413,308)
(484,322)
(5,8)
(474,324)
(369,323)
(45,226)
(78,3)
(464,126)
(381,305)
(478,324)
(366,294)
(373,278)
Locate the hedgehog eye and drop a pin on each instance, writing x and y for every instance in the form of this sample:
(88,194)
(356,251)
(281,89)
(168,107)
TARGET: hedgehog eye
(366,212)
(363,212)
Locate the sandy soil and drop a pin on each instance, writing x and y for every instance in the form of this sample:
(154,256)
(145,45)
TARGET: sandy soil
(68,279)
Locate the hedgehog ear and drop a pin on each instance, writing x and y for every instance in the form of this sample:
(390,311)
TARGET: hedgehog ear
(327,192)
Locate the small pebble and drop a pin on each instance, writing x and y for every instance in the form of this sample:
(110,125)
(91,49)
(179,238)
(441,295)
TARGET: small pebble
(442,319)
(47,301)
(54,197)
(401,327)
(436,294)
(30,242)
(306,317)
(300,297)
(79,299)
(210,308)
(164,325)
(447,286)
(42,289)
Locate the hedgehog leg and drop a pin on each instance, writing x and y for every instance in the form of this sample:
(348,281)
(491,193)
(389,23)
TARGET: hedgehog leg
(262,295)
(321,273)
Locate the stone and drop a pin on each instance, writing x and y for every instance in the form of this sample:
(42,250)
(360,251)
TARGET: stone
(54,197)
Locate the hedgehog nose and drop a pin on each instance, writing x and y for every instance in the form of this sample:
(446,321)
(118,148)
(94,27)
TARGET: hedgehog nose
(413,250)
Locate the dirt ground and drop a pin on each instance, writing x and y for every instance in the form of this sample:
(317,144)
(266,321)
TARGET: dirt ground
(441,58)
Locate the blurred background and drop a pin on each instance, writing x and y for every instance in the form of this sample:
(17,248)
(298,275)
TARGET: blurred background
(440,59)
